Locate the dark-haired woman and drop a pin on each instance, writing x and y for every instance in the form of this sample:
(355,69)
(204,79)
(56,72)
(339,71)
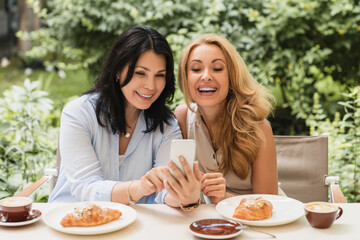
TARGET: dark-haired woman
(115,139)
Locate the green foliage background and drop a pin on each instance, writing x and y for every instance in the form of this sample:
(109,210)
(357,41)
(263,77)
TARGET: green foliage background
(306,52)
(297,47)
(28,139)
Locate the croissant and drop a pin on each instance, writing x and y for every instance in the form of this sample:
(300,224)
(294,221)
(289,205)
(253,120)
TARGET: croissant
(253,209)
(89,216)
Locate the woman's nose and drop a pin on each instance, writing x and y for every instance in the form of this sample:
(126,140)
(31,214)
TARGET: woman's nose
(206,75)
(150,83)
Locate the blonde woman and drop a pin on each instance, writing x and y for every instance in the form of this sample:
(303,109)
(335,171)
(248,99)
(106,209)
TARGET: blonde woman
(225,112)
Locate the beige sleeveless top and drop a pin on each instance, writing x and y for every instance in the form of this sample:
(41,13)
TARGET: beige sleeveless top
(207,157)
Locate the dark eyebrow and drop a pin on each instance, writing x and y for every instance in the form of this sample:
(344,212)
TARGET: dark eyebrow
(146,69)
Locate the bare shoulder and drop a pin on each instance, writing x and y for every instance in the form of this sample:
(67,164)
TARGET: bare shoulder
(266,128)
(180,111)
(180,114)
(268,134)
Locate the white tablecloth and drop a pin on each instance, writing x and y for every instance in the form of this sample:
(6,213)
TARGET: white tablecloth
(163,222)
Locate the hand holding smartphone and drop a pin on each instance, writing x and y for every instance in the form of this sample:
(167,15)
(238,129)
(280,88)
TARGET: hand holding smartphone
(185,148)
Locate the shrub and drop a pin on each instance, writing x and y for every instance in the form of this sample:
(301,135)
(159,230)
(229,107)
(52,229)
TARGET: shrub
(301,47)
(27,141)
(344,141)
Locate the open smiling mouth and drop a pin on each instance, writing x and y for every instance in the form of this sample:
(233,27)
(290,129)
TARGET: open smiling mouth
(207,90)
(144,95)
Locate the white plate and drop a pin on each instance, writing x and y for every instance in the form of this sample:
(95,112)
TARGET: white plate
(285,209)
(54,216)
(205,223)
(35,216)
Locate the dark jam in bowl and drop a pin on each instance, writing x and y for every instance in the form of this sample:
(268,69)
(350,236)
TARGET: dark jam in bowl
(215,227)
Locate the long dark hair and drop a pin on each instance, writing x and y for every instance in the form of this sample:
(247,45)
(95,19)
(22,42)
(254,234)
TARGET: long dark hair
(110,105)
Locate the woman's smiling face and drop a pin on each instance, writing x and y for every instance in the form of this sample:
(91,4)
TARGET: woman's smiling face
(147,82)
(207,74)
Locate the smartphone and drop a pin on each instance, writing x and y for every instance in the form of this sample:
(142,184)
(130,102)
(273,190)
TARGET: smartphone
(185,148)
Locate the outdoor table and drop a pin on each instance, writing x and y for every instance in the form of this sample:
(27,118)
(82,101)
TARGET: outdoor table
(158,221)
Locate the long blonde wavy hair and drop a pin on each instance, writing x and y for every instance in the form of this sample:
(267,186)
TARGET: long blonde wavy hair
(237,132)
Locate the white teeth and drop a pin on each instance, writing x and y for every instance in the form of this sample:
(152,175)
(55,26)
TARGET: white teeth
(207,89)
(145,96)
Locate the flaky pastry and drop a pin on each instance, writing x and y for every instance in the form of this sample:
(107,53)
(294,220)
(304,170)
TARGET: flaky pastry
(253,209)
(91,215)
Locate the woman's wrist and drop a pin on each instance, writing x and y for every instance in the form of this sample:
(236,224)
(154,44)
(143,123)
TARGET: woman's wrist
(172,202)
(133,193)
(229,195)
(191,206)
(128,192)
(190,202)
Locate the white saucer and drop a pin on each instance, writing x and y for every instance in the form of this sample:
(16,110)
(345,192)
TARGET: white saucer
(34,216)
(202,228)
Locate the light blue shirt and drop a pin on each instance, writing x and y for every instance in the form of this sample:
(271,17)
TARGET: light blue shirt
(90,164)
